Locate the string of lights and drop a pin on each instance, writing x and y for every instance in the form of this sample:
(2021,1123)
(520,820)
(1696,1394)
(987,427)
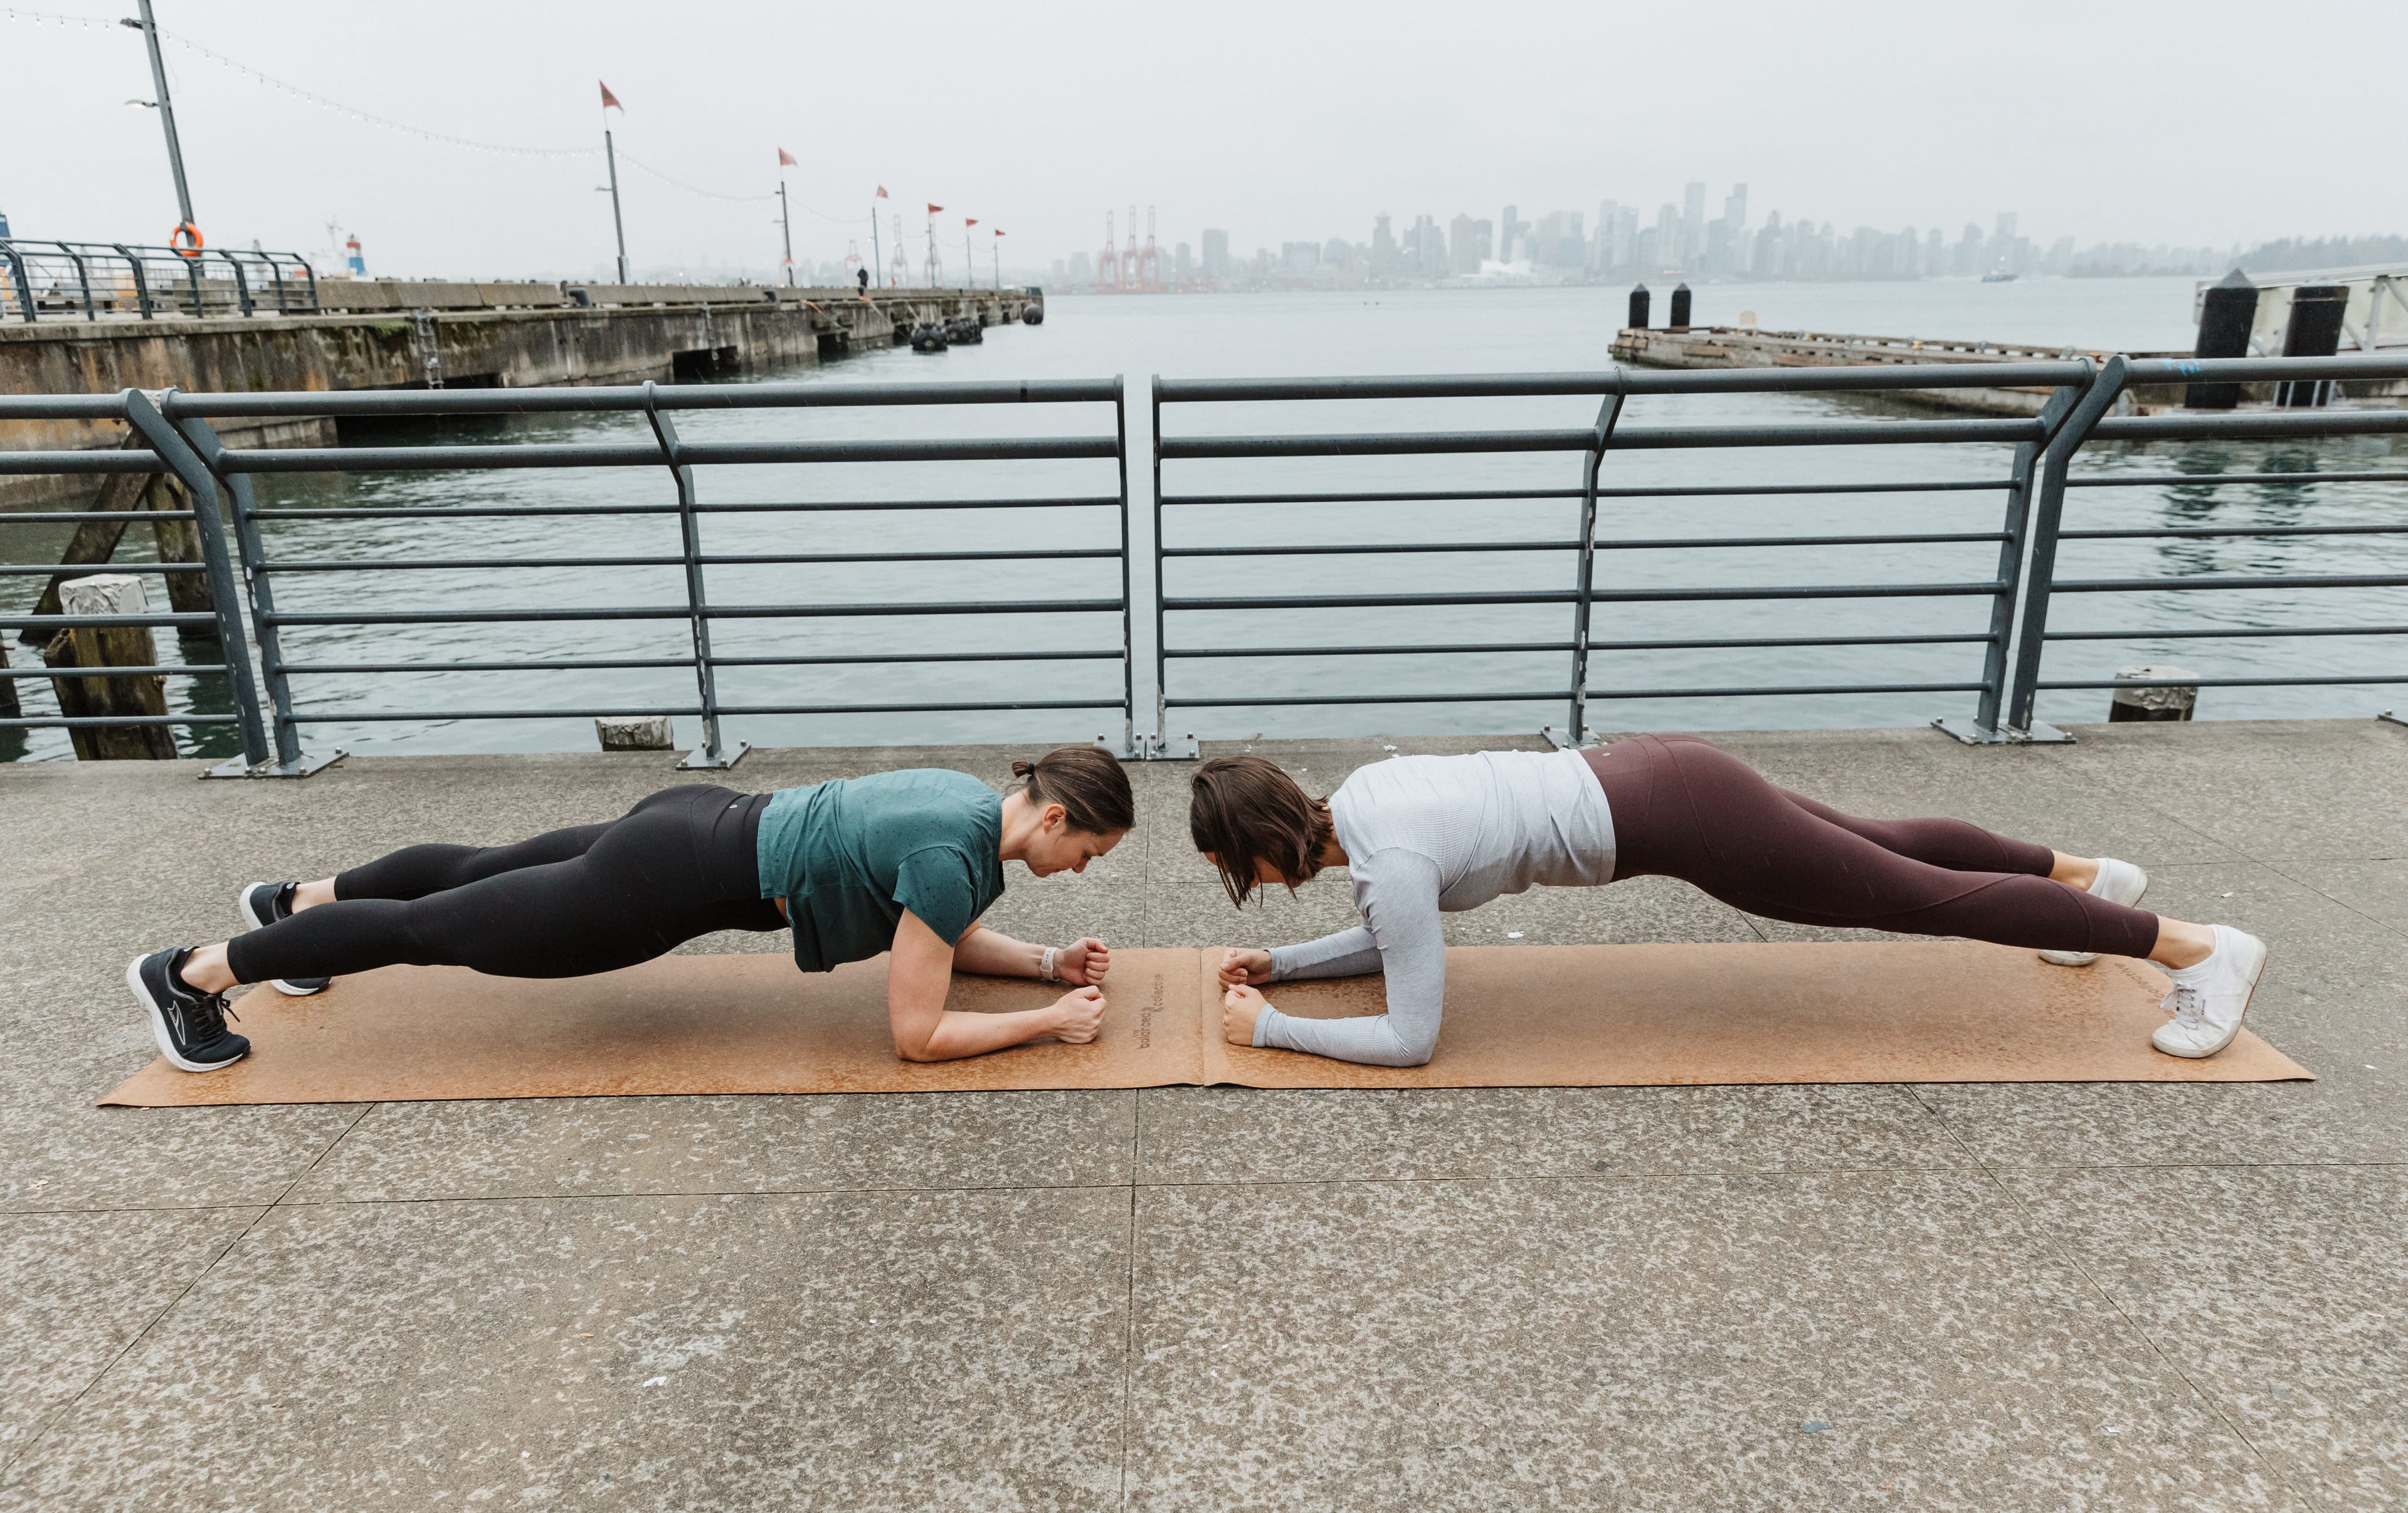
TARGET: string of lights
(105,23)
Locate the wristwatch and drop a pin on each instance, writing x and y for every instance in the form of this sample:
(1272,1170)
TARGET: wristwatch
(1045,965)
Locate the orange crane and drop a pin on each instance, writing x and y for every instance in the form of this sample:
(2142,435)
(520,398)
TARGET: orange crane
(1108,264)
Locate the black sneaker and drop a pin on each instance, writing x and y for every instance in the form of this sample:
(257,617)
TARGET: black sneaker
(189,1023)
(262,905)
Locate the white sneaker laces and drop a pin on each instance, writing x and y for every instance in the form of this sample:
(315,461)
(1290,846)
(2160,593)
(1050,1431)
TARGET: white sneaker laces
(2188,1003)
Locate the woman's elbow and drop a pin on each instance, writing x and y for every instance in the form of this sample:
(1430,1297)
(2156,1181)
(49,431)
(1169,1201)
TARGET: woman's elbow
(917,1049)
(1411,1049)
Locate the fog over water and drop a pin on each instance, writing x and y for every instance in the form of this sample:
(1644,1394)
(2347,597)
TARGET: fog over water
(1417,332)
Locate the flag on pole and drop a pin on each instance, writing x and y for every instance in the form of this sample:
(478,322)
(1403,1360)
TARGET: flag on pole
(969,222)
(882,192)
(610,101)
(786,158)
(934,208)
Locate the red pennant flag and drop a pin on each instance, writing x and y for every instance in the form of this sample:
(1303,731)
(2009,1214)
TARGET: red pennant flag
(882,192)
(934,208)
(969,222)
(786,158)
(610,101)
(999,234)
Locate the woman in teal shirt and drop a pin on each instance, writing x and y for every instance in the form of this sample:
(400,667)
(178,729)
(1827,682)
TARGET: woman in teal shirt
(902,861)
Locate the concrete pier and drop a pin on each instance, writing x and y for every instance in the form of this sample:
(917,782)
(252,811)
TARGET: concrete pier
(392,334)
(1985,1297)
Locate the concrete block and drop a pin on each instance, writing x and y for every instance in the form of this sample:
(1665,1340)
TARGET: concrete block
(104,593)
(640,733)
(2153,703)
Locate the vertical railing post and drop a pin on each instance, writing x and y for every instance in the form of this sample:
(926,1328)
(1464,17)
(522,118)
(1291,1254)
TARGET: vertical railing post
(311,274)
(1160,745)
(199,482)
(141,284)
(1585,577)
(2048,514)
(23,286)
(193,276)
(2014,531)
(1128,638)
(284,727)
(276,272)
(83,279)
(710,755)
(241,284)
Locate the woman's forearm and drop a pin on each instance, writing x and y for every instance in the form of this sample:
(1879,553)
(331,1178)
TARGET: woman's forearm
(994,954)
(958,1034)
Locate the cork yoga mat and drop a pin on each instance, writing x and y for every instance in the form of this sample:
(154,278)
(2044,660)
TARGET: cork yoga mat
(1538,1016)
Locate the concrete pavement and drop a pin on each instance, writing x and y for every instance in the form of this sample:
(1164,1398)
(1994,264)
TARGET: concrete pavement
(2021,1296)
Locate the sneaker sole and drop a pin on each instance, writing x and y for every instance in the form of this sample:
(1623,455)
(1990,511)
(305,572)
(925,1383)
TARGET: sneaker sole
(2083,958)
(2265,955)
(251,917)
(159,1025)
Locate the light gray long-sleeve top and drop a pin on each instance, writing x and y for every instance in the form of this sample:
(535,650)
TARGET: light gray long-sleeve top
(1431,834)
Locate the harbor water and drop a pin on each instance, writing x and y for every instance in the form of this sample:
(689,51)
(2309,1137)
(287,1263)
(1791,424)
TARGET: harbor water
(1445,330)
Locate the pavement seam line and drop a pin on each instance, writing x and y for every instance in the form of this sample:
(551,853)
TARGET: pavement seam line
(2064,1252)
(69,1406)
(1129,1330)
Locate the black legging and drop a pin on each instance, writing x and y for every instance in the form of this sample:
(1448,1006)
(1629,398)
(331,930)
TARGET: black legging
(1683,808)
(590,898)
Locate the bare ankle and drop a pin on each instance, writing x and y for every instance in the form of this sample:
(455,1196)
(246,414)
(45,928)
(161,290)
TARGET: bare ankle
(2182,945)
(206,970)
(2073,871)
(308,895)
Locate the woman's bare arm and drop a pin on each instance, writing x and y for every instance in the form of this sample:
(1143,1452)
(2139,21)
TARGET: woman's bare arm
(992,953)
(920,973)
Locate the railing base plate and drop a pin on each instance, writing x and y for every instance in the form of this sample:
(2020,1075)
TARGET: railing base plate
(700,758)
(300,766)
(1169,748)
(1957,728)
(1556,742)
(2394,718)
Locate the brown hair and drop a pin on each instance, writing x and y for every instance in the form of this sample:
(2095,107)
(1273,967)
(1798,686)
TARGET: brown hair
(1087,782)
(1247,812)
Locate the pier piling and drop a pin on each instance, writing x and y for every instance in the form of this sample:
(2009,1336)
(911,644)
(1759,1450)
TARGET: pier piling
(141,695)
(1680,320)
(2225,314)
(1639,302)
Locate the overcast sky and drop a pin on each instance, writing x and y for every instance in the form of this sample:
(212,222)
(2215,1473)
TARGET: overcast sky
(2197,123)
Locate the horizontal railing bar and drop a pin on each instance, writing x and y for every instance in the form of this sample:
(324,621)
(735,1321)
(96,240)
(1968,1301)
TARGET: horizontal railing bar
(2344,367)
(193,669)
(1292,700)
(1603,544)
(634,398)
(1627,438)
(322,715)
(2220,632)
(307,669)
(1537,596)
(1632,382)
(2380,474)
(2336,680)
(1772,688)
(1114,654)
(410,512)
(77,516)
(2241,425)
(1370,549)
(1113,702)
(84,721)
(743,506)
(70,569)
(591,454)
(1723,643)
(2194,532)
(63,407)
(465,617)
(2139,585)
(1701,491)
(103,621)
(496,564)
(86,460)
(1670,542)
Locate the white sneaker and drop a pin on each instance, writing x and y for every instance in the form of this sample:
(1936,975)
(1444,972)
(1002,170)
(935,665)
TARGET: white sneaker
(2208,1000)
(2118,883)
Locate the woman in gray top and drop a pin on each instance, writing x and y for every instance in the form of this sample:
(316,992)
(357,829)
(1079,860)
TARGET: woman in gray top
(1426,836)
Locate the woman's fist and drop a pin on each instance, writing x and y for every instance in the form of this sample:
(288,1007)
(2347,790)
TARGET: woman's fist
(1079,1016)
(1243,965)
(1085,964)
(1239,1007)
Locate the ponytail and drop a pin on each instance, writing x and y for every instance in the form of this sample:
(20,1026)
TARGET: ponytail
(1087,782)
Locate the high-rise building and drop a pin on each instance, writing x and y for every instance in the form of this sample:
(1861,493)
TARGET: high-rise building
(1383,248)
(1626,237)
(1183,262)
(1484,242)
(1083,268)
(1462,255)
(1216,255)
(1667,241)
(1505,235)
(2006,232)
(1600,252)
(1693,226)
(1433,247)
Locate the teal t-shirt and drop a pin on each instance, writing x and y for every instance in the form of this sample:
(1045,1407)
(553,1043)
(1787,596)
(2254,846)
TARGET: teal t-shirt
(850,855)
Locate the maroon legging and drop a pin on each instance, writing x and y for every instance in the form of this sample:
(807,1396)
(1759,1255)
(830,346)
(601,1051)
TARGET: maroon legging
(1683,808)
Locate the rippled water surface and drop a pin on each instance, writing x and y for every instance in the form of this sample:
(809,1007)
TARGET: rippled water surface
(1419,332)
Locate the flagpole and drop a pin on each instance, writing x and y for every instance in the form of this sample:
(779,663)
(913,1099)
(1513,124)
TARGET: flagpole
(969,259)
(877,253)
(786,229)
(997,247)
(611,153)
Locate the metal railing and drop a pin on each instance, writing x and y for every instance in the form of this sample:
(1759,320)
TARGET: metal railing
(43,281)
(182,439)
(2026,467)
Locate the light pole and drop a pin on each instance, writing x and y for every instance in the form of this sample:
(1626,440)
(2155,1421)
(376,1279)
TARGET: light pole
(149,27)
(785,225)
(970,254)
(996,246)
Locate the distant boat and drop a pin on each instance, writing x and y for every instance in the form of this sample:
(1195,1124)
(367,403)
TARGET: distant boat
(1997,278)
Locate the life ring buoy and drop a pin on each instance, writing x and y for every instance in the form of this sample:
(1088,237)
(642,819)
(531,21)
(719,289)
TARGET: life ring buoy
(178,243)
